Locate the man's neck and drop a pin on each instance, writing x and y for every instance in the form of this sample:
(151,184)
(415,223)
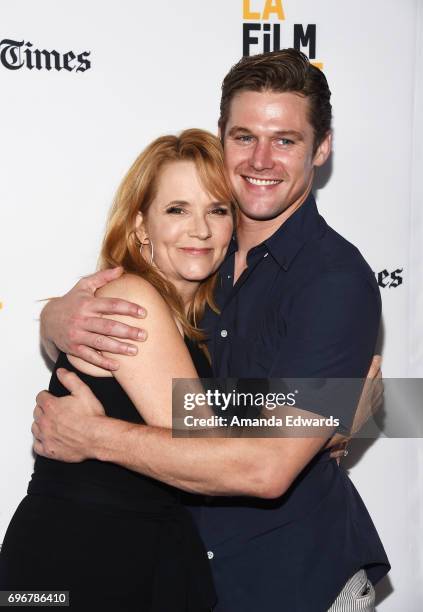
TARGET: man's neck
(251,232)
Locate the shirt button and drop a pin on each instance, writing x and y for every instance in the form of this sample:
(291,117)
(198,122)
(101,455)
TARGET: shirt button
(266,254)
(229,276)
(224,333)
(210,554)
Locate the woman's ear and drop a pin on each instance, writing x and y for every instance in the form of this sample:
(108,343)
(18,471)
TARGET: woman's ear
(140,230)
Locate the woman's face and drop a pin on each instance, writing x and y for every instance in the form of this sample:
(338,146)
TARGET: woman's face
(190,230)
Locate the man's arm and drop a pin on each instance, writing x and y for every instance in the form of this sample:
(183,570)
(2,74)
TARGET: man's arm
(259,467)
(75,325)
(46,341)
(208,466)
(73,428)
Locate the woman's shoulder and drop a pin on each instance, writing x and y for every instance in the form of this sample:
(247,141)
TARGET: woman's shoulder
(135,289)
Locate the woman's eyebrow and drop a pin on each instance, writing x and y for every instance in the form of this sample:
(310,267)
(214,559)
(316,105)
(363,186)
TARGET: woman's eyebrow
(178,203)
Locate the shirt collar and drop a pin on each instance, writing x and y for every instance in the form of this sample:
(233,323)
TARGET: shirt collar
(232,247)
(289,238)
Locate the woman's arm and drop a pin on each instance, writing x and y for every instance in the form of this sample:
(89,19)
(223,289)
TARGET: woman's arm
(163,356)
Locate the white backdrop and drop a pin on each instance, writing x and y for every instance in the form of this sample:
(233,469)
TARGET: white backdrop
(68,136)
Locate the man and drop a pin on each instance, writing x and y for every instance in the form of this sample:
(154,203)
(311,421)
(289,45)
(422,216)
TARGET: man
(296,300)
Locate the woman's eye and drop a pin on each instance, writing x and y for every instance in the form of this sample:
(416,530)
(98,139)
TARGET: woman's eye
(220,211)
(175,210)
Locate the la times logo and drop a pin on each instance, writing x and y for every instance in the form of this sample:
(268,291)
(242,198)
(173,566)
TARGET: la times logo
(390,280)
(17,54)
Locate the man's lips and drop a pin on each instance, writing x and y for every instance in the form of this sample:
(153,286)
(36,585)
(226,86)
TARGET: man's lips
(261,182)
(195,250)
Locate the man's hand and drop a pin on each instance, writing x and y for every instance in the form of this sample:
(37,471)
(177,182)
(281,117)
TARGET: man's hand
(74,323)
(64,428)
(370,402)
(371,397)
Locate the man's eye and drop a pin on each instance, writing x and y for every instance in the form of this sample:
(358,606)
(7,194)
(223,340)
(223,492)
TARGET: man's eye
(245,139)
(175,210)
(285,141)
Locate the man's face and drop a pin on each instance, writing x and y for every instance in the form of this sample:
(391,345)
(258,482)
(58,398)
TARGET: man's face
(268,144)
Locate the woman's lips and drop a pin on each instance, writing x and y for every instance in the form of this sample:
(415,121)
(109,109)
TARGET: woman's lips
(195,251)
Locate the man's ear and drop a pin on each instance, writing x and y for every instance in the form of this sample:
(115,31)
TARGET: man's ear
(323,150)
(220,134)
(140,230)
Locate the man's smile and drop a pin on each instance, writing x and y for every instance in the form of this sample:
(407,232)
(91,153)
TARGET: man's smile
(262,182)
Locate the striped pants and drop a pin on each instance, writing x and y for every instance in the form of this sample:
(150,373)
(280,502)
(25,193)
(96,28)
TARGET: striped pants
(358,595)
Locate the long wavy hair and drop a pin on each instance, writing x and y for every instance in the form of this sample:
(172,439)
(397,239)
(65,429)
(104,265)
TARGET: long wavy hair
(121,246)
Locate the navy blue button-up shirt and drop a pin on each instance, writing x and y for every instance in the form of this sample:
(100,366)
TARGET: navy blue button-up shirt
(306,306)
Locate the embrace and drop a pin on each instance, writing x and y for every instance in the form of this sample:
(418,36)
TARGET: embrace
(217,246)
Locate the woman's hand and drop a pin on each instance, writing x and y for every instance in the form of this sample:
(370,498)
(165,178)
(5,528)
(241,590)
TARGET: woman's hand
(74,323)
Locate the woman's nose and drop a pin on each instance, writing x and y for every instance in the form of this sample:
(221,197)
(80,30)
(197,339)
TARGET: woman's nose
(200,227)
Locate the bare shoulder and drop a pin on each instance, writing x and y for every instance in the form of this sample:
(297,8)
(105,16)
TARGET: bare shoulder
(136,289)
(159,316)
(128,286)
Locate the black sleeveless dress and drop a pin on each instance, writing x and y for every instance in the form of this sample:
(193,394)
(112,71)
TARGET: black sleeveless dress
(115,539)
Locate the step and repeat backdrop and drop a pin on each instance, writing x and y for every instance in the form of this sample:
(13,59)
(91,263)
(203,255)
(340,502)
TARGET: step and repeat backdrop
(85,86)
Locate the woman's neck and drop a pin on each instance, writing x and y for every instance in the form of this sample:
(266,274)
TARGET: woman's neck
(186,290)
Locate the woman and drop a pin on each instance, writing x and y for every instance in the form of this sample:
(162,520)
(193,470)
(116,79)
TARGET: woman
(114,538)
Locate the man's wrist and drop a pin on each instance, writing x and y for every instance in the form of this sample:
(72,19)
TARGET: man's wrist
(110,439)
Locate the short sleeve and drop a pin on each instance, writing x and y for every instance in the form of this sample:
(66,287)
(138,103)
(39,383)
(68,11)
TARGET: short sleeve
(332,329)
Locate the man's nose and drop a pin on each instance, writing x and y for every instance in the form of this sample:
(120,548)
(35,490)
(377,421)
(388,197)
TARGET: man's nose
(261,157)
(200,227)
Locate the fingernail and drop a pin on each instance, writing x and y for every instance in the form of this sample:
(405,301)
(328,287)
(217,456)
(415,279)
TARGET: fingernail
(141,334)
(141,312)
(132,350)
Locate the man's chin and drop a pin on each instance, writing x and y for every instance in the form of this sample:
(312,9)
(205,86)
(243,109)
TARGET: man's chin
(261,213)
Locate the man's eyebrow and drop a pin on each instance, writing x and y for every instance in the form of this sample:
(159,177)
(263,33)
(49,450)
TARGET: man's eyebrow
(294,133)
(236,129)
